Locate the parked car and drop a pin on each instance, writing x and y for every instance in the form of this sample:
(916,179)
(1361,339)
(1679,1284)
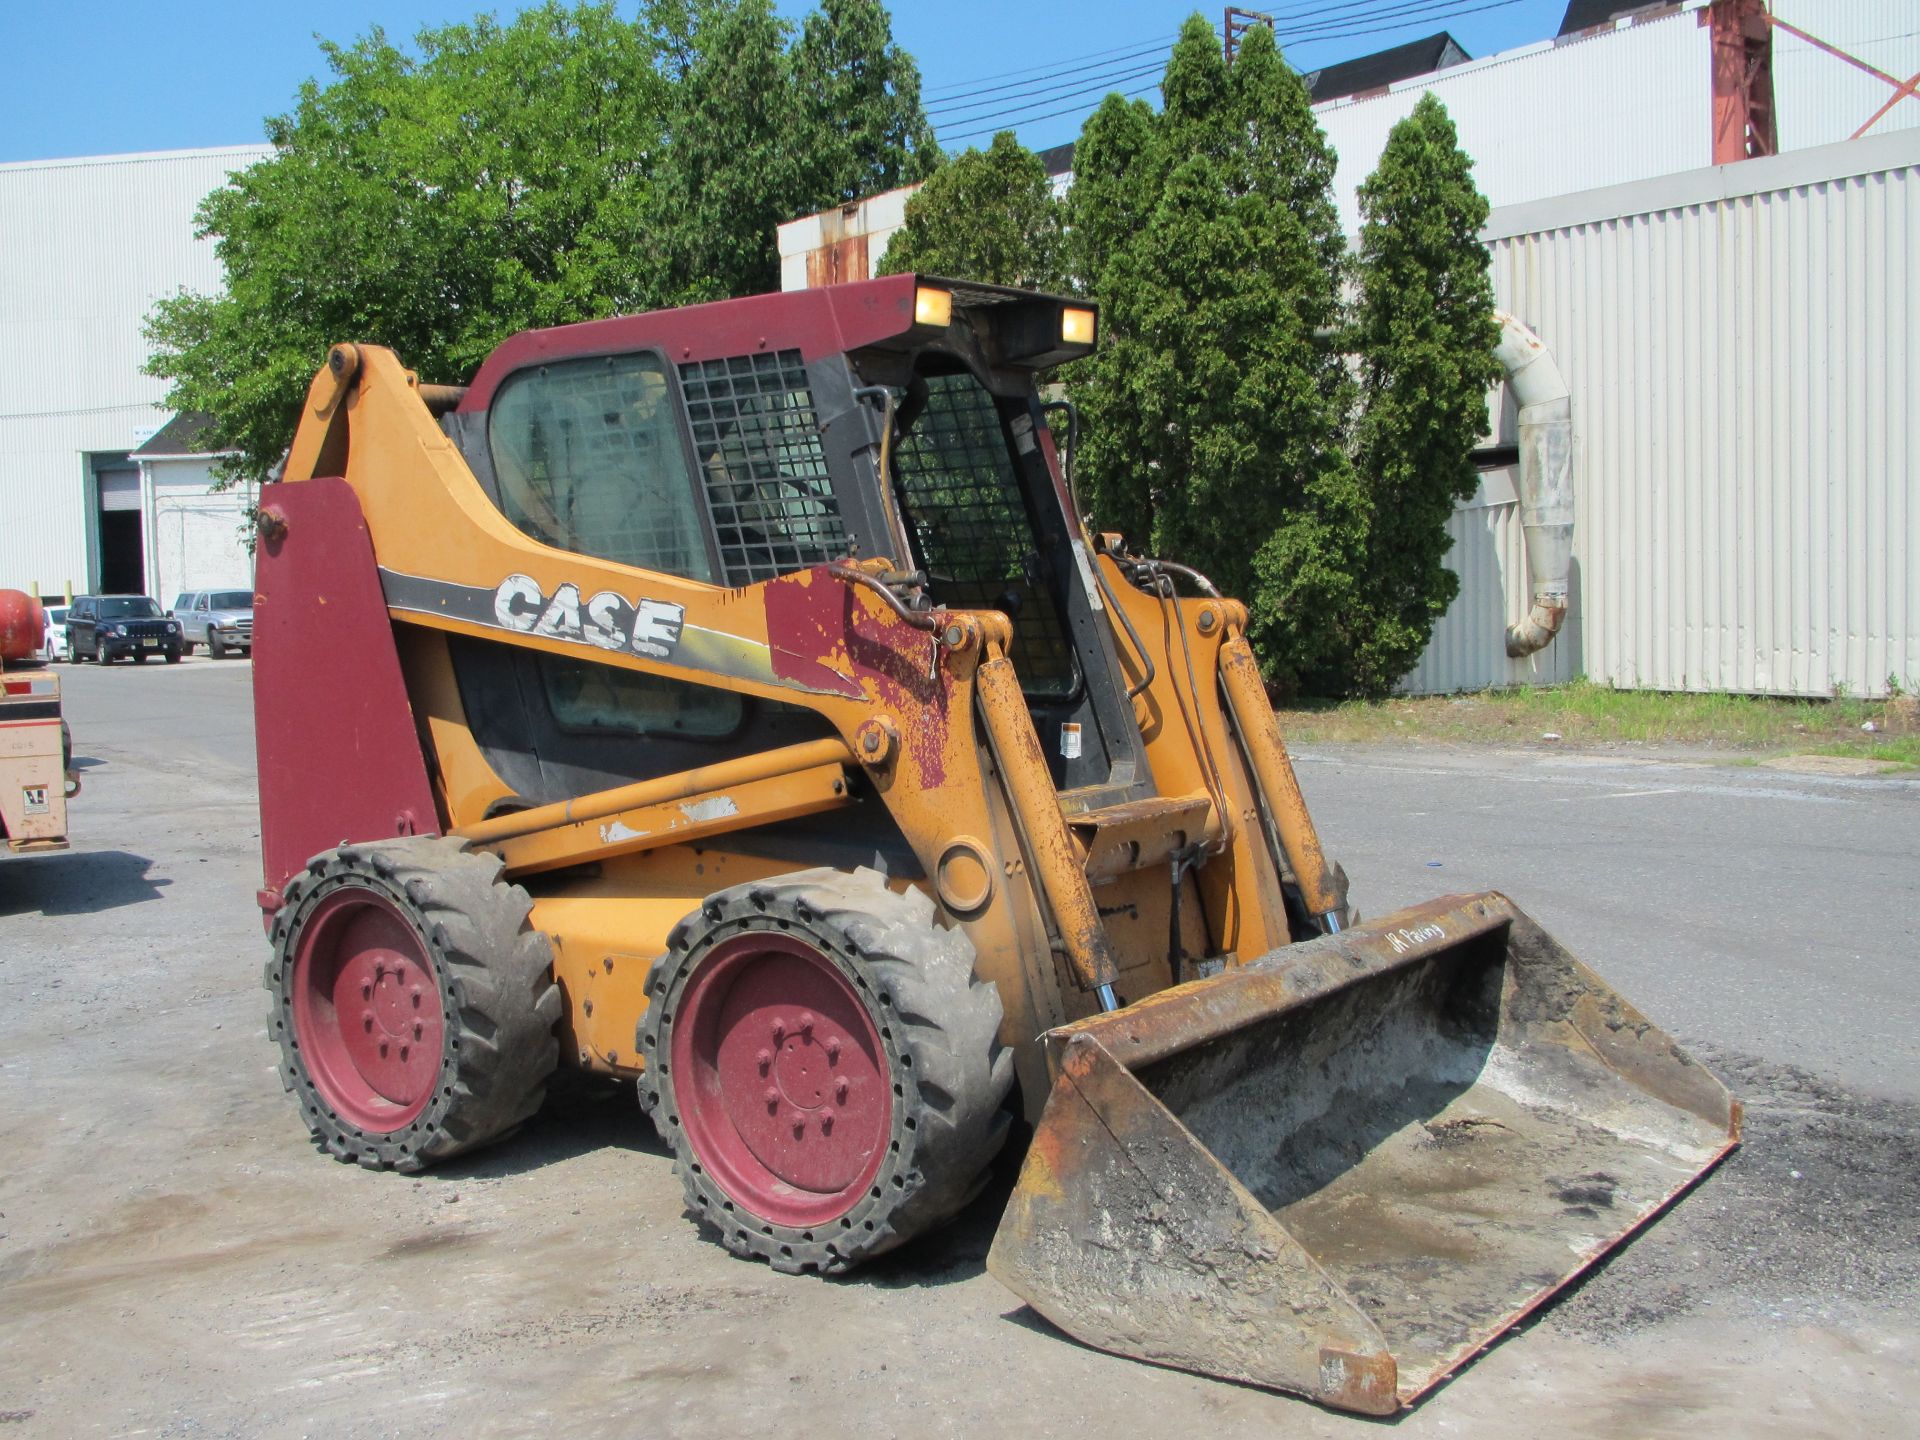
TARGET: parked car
(221,620)
(56,642)
(111,627)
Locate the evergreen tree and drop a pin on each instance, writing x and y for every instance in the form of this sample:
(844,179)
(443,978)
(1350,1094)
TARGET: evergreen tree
(986,215)
(1118,168)
(1425,333)
(1223,398)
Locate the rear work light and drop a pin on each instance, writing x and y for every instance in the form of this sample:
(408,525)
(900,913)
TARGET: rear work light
(1076,326)
(932,307)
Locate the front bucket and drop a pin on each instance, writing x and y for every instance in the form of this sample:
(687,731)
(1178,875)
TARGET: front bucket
(1345,1168)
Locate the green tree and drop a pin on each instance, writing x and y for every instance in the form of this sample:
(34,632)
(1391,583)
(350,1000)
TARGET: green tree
(1118,170)
(766,129)
(1224,396)
(495,177)
(986,215)
(734,172)
(860,99)
(1425,333)
(436,202)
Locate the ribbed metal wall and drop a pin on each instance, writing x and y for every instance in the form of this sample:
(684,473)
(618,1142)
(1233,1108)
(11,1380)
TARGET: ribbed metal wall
(89,246)
(1743,348)
(1469,646)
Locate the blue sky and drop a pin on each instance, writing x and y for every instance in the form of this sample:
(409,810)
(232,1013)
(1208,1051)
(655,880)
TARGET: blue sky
(112,76)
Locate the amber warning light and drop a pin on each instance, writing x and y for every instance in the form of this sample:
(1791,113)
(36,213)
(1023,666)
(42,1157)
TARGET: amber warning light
(1076,326)
(932,307)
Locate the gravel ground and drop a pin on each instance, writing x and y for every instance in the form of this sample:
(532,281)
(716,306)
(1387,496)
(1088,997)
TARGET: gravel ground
(177,1260)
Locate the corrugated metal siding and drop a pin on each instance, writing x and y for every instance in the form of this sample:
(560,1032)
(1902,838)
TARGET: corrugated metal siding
(1744,369)
(1469,646)
(89,245)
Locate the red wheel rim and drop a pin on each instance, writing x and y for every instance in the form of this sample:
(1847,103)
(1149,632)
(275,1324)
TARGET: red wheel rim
(366,1010)
(780,1079)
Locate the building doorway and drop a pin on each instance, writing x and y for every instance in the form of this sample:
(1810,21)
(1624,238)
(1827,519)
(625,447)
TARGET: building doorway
(119,525)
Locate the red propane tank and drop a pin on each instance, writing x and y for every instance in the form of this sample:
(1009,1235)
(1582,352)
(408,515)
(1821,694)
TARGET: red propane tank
(23,625)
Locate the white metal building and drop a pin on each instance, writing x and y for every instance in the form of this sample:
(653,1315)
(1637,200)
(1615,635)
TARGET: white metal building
(1742,344)
(1633,102)
(90,245)
(195,538)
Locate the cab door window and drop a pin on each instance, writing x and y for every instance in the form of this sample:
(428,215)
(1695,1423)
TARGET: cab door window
(589,459)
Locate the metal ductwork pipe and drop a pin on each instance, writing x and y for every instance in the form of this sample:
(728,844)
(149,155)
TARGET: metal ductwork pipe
(1546,480)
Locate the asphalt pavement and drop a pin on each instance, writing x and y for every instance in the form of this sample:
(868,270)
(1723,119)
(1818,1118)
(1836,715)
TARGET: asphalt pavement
(175,1259)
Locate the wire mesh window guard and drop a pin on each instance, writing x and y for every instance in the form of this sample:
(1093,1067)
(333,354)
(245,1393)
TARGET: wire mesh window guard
(588,458)
(763,465)
(976,540)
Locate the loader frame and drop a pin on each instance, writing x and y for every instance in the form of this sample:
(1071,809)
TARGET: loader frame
(924,710)
(939,809)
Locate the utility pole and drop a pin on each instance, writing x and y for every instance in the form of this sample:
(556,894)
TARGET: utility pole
(1237,23)
(1743,118)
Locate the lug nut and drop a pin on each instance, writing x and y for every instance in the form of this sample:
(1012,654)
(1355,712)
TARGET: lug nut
(799,1127)
(764,1060)
(779,1031)
(833,1050)
(772,1097)
(806,1022)
(826,1123)
(840,1090)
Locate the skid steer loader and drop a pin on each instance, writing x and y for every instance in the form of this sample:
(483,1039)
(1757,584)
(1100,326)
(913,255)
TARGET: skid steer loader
(733,699)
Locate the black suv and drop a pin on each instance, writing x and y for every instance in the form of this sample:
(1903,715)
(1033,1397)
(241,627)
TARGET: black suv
(109,627)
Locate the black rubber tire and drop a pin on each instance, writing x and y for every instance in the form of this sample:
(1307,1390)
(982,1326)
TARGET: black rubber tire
(173,657)
(939,1027)
(216,647)
(139,657)
(100,656)
(496,990)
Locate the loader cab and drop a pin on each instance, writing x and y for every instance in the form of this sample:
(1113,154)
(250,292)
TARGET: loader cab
(737,442)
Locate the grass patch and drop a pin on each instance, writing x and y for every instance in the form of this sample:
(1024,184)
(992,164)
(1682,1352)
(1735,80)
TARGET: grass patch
(1586,713)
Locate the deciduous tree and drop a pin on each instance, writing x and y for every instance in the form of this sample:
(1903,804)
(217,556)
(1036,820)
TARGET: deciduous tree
(494,177)
(497,177)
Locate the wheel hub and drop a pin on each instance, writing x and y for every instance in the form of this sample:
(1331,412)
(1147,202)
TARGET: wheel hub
(367,1010)
(783,1083)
